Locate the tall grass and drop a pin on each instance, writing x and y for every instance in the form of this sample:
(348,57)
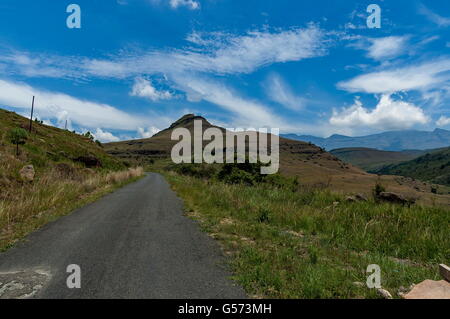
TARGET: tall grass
(313,243)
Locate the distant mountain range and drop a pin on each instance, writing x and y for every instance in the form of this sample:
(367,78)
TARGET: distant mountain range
(387,141)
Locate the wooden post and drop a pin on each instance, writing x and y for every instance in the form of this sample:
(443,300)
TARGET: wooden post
(31,118)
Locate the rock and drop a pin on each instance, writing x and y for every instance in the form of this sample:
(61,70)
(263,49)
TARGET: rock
(444,270)
(66,171)
(361,197)
(27,173)
(384,293)
(430,289)
(356,198)
(392,198)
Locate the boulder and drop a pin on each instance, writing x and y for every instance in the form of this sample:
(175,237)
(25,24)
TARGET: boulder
(27,173)
(392,198)
(430,289)
(361,197)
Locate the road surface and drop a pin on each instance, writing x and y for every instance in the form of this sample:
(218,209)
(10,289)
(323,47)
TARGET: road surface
(133,243)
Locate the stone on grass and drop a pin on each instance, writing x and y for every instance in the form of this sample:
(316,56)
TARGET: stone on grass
(430,289)
(384,293)
(27,173)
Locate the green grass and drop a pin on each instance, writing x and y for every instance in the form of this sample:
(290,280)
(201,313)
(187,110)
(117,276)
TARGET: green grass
(287,244)
(432,167)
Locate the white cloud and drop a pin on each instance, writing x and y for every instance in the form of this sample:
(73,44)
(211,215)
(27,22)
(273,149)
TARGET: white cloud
(387,47)
(434,17)
(142,133)
(443,121)
(244,54)
(39,65)
(191,4)
(104,136)
(247,113)
(211,53)
(144,88)
(388,115)
(379,49)
(418,77)
(53,105)
(217,53)
(281,93)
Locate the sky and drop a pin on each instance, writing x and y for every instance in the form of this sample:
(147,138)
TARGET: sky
(305,67)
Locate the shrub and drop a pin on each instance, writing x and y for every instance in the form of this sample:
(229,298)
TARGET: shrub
(17,136)
(241,173)
(377,190)
(264,215)
(195,170)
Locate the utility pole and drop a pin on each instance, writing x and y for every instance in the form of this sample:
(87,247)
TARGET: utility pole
(31,118)
(65,127)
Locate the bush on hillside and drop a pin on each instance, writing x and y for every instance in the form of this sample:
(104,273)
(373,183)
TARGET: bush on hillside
(236,173)
(17,136)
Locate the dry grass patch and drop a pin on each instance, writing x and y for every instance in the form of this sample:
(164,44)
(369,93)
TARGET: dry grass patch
(25,207)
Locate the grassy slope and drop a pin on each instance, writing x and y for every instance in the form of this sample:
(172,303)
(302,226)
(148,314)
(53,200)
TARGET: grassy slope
(432,167)
(60,185)
(288,244)
(372,159)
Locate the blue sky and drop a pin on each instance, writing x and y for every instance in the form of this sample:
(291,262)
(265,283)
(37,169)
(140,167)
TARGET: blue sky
(307,67)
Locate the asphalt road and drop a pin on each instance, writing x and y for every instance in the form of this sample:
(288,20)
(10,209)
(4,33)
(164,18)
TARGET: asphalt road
(133,243)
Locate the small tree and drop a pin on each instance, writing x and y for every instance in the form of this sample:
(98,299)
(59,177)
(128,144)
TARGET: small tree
(17,136)
(89,136)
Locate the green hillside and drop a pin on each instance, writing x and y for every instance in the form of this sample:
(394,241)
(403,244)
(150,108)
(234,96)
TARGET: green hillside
(432,167)
(47,173)
(370,159)
(48,145)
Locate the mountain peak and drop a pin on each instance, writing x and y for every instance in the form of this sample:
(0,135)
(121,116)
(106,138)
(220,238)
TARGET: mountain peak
(186,120)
